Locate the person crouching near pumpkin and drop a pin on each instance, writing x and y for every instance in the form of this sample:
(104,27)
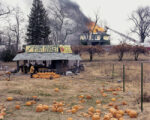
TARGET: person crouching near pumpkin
(31,71)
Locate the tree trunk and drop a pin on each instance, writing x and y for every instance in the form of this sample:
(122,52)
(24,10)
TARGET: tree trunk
(120,56)
(17,66)
(9,42)
(91,57)
(136,57)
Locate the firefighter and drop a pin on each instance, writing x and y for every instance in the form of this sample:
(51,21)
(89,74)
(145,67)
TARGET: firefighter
(31,71)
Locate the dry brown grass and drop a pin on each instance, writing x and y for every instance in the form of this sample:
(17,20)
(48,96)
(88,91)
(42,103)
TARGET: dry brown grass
(97,74)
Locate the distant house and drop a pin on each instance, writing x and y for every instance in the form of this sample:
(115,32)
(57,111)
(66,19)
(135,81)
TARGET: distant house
(95,36)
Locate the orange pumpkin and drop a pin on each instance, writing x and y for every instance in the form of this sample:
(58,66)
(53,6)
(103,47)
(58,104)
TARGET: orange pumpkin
(90,113)
(104,95)
(81,96)
(118,89)
(91,109)
(9,98)
(85,115)
(98,111)
(34,97)
(116,107)
(33,102)
(39,108)
(73,111)
(88,97)
(60,104)
(45,107)
(124,103)
(113,99)
(17,107)
(127,111)
(56,89)
(54,109)
(29,103)
(76,107)
(117,115)
(112,110)
(110,104)
(132,114)
(114,93)
(60,109)
(96,117)
(82,101)
(120,112)
(106,117)
(98,102)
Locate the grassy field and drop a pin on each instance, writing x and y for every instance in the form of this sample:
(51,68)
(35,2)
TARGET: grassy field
(96,77)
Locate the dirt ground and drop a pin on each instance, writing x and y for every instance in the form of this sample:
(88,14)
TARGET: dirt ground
(98,75)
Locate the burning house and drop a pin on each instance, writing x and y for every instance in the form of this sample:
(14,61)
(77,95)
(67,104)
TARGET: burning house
(95,35)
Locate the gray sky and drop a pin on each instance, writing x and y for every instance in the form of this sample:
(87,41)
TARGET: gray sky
(115,12)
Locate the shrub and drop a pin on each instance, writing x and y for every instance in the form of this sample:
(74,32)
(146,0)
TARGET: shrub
(137,50)
(91,50)
(7,55)
(78,49)
(120,50)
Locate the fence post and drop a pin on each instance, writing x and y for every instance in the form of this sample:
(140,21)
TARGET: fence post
(123,78)
(142,87)
(113,69)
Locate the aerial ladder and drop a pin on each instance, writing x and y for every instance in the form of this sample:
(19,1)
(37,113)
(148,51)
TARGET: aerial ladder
(123,35)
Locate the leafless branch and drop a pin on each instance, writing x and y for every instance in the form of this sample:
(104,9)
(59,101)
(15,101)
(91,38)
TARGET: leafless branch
(141,21)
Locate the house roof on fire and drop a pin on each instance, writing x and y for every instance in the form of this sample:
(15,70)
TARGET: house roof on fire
(46,56)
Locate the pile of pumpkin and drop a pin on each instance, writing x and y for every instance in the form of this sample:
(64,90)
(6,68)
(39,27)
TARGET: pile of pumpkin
(39,108)
(75,109)
(46,75)
(57,107)
(114,114)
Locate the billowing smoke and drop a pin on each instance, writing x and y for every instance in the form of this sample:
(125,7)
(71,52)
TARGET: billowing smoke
(67,22)
(73,10)
(74,13)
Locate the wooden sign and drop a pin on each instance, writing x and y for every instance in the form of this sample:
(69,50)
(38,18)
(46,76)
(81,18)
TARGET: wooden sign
(41,49)
(65,49)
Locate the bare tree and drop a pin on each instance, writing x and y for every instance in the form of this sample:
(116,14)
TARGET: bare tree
(137,50)
(9,37)
(91,50)
(4,11)
(141,21)
(120,50)
(16,27)
(63,23)
(59,23)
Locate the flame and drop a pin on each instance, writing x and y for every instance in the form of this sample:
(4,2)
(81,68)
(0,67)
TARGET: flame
(96,29)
